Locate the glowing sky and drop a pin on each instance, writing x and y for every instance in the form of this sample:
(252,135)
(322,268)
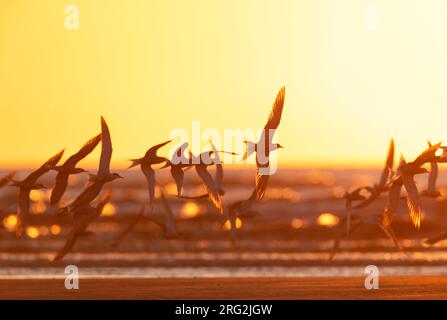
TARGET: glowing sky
(152,66)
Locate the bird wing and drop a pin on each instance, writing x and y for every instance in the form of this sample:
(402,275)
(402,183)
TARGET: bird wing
(276,111)
(50,163)
(213,192)
(261,184)
(388,166)
(6,179)
(106,149)
(218,178)
(22,212)
(86,149)
(178,175)
(432,177)
(428,155)
(149,173)
(88,195)
(59,189)
(69,243)
(170,219)
(152,152)
(412,200)
(104,200)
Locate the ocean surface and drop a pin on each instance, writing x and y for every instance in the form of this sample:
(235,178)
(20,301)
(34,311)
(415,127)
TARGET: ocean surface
(291,234)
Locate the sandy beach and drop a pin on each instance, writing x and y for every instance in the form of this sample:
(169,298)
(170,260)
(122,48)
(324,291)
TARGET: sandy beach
(391,287)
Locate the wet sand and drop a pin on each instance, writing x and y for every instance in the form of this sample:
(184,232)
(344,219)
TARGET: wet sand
(391,287)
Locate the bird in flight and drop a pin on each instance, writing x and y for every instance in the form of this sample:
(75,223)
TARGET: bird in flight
(405,178)
(69,167)
(146,162)
(265,145)
(384,183)
(218,176)
(102,177)
(28,184)
(83,216)
(240,209)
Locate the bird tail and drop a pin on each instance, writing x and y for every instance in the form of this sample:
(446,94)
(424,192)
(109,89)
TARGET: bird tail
(135,162)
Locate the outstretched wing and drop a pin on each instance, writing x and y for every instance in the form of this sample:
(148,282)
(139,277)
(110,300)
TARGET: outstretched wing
(213,192)
(49,164)
(428,155)
(106,149)
(129,228)
(276,111)
(152,152)
(149,173)
(22,212)
(388,166)
(88,147)
(432,177)
(412,200)
(59,189)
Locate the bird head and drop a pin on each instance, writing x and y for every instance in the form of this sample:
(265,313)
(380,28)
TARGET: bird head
(79,170)
(116,176)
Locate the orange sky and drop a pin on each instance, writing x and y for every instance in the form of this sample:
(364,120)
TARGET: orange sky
(153,66)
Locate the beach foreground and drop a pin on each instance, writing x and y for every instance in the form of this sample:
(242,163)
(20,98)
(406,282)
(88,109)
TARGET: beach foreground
(391,287)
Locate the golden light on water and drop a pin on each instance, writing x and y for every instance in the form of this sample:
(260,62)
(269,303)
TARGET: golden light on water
(32,232)
(37,195)
(38,207)
(238,223)
(109,210)
(10,222)
(55,229)
(327,219)
(297,223)
(189,210)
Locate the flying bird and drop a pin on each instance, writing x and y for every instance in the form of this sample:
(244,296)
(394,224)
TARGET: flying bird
(218,176)
(265,145)
(83,216)
(69,167)
(405,178)
(103,176)
(28,184)
(146,162)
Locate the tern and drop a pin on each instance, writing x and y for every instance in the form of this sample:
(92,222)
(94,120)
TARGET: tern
(146,162)
(265,145)
(83,216)
(219,174)
(102,177)
(69,167)
(405,178)
(28,184)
